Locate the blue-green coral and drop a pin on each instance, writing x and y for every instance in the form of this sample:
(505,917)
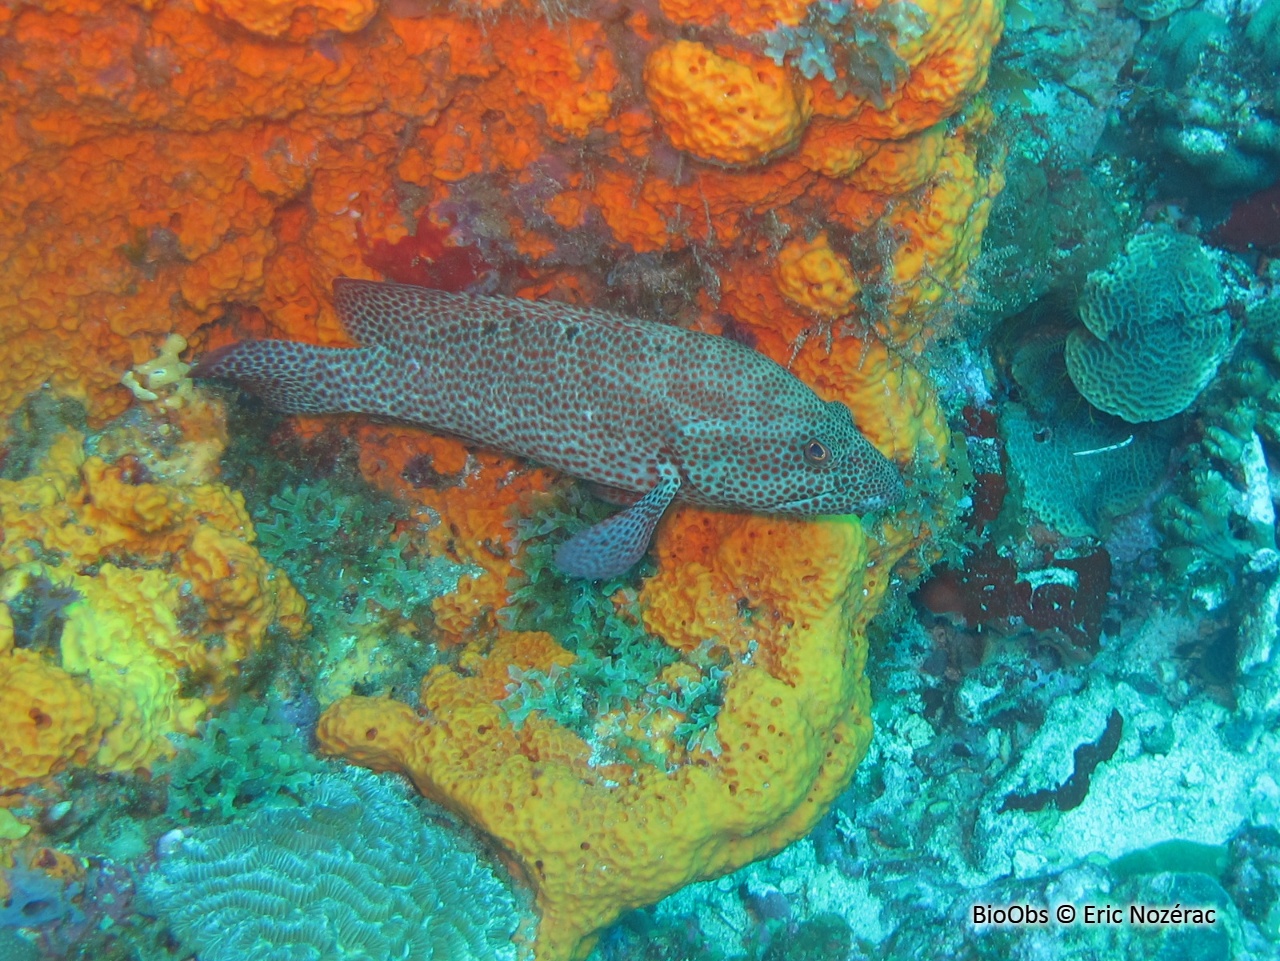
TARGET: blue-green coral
(358,557)
(1078,473)
(342,548)
(1263,33)
(355,875)
(1218,524)
(1220,518)
(1155,328)
(241,760)
(1208,91)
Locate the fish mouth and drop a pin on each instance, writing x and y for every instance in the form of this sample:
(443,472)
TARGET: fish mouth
(845,501)
(834,503)
(805,505)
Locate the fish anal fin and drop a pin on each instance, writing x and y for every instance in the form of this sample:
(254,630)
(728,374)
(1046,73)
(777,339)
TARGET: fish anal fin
(613,546)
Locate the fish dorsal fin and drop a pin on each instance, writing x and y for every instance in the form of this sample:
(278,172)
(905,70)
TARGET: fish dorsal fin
(613,546)
(396,316)
(379,314)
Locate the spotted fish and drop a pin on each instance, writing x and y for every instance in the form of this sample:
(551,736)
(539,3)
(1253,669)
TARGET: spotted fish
(651,410)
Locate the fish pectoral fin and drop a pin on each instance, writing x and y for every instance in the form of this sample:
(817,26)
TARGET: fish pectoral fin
(613,546)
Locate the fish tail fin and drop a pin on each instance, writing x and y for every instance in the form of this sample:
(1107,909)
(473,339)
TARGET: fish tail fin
(292,377)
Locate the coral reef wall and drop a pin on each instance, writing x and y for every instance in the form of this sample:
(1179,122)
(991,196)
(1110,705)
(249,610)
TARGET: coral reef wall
(162,160)
(808,178)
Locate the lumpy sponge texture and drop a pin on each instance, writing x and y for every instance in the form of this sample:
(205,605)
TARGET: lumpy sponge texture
(357,874)
(142,590)
(1156,329)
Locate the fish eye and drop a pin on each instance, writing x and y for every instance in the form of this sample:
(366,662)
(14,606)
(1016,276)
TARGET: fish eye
(816,452)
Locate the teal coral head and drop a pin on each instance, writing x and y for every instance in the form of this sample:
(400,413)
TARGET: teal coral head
(1210,90)
(356,874)
(1156,329)
(1263,32)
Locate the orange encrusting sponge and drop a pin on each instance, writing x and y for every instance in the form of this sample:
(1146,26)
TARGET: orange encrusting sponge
(160,162)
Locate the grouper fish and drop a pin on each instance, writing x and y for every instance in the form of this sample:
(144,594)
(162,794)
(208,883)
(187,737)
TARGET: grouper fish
(649,411)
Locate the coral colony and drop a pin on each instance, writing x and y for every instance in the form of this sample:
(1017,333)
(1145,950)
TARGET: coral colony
(814,500)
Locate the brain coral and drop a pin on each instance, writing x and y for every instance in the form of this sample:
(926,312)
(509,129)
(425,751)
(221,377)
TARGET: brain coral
(1156,329)
(355,874)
